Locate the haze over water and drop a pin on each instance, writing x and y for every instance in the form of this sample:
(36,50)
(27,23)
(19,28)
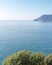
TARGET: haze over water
(24,35)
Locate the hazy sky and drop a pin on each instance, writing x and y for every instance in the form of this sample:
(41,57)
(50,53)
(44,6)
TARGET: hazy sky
(24,9)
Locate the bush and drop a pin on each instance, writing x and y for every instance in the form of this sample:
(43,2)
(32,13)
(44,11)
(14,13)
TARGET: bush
(49,60)
(37,59)
(20,58)
(27,58)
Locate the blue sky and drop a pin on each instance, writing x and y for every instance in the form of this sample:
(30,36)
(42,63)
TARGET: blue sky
(24,9)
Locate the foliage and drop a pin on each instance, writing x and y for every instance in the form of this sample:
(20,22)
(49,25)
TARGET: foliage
(37,59)
(27,58)
(20,58)
(49,60)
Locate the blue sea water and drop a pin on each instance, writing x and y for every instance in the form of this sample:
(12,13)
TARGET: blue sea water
(18,35)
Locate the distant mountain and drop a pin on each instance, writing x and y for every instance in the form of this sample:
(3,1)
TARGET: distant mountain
(44,18)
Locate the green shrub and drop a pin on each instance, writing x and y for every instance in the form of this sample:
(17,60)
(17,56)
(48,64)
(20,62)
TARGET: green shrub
(25,58)
(49,60)
(20,58)
(37,59)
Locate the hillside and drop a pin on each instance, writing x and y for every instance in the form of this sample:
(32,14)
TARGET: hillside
(44,18)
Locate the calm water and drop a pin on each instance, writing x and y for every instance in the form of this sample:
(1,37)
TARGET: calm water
(25,35)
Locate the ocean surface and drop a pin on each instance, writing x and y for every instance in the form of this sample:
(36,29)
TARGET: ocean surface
(18,35)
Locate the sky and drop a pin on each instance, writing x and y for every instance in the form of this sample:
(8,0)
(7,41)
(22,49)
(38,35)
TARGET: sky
(24,9)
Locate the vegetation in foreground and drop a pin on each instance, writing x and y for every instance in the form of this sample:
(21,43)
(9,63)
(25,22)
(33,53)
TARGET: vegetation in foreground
(27,58)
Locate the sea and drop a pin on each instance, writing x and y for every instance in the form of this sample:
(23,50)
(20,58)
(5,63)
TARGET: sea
(29,35)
